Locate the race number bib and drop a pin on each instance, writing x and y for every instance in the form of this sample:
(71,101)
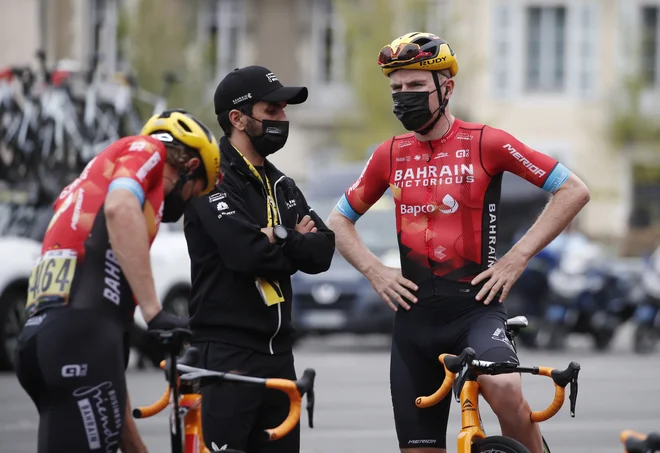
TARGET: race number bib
(50,281)
(270,291)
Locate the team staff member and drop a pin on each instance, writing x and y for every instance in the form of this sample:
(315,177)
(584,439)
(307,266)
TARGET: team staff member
(445,177)
(94,267)
(245,240)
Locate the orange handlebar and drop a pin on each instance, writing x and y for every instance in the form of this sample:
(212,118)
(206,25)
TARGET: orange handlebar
(625,435)
(158,406)
(150,411)
(290,388)
(432,400)
(556,404)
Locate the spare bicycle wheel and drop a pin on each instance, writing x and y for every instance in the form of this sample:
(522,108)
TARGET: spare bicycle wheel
(498,444)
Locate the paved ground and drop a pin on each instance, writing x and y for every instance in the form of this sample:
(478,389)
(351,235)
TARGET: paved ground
(617,391)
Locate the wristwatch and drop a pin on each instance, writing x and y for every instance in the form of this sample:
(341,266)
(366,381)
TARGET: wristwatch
(280,233)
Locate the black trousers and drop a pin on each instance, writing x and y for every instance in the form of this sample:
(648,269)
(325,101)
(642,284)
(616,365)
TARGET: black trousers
(71,363)
(234,414)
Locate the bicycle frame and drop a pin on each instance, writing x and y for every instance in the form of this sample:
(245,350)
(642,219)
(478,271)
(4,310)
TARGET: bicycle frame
(470,369)
(472,426)
(189,408)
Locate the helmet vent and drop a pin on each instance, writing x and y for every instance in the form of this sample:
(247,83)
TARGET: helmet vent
(184,126)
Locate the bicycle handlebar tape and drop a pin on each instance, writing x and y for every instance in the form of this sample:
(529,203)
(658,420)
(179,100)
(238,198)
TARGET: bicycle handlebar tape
(625,434)
(556,404)
(150,411)
(291,389)
(432,400)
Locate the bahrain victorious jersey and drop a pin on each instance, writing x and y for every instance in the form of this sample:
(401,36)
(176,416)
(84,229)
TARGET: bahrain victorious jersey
(446,195)
(77,265)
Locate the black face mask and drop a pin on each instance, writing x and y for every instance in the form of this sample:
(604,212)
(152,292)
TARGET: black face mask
(412,108)
(175,205)
(273,137)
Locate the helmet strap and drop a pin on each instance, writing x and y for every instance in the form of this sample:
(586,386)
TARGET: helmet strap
(441,109)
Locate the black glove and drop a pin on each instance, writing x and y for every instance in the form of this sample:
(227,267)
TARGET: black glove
(167,321)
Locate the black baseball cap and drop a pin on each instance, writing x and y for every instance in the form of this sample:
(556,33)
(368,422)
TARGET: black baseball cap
(253,84)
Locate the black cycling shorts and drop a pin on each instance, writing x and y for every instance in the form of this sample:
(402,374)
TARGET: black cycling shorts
(448,325)
(71,363)
(234,415)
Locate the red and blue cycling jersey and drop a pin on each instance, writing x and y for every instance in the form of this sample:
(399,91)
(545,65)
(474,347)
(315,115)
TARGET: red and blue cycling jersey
(446,194)
(78,234)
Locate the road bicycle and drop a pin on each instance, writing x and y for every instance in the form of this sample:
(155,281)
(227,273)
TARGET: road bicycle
(639,443)
(461,373)
(183,395)
(53,121)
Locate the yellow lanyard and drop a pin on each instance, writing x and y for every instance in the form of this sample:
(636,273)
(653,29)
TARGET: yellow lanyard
(273,219)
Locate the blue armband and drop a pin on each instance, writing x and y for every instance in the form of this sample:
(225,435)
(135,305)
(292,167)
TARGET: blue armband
(129,184)
(345,209)
(556,178)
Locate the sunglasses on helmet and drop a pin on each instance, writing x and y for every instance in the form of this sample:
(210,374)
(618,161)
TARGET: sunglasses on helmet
(404,53)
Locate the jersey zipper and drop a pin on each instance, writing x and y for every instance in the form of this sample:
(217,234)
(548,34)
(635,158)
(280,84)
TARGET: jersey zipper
(429,220)
(279,306)
(279,214)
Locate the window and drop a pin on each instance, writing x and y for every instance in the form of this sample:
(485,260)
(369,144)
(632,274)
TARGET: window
(650,38)
(222,28)
(431,16)
(546,48)
(328,43)
(502,47)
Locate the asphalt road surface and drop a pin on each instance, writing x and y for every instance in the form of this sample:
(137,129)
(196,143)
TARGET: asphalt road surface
(617,390)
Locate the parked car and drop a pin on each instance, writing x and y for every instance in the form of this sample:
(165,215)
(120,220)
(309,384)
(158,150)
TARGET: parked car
(342,299)
(18,257)
(170,265)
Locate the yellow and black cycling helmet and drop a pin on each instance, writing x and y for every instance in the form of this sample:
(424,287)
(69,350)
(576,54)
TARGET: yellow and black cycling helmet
(424,51)
(178,127)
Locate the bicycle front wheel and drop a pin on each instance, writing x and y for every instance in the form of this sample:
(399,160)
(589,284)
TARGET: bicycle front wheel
(498,444)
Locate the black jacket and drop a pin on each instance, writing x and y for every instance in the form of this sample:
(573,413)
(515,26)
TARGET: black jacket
(228,250)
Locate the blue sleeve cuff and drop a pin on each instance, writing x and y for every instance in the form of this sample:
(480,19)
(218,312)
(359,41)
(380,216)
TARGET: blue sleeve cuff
(556,178)
(345,209)
(129,184)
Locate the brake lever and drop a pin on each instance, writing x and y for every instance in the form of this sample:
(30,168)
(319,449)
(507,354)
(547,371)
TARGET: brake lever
(574,390)
(310,407)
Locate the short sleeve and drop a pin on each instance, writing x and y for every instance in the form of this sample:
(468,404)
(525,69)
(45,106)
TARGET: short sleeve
(139,166)
(370,185)
(501,152)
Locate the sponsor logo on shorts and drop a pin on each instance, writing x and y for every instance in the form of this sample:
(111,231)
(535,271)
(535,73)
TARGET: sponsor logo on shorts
(421,441)
(91,429)
(102,416)
(500,335)
(74,371)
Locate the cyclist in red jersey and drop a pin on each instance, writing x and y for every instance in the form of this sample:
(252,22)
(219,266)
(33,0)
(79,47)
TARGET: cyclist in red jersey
(445,177)
(94,268)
